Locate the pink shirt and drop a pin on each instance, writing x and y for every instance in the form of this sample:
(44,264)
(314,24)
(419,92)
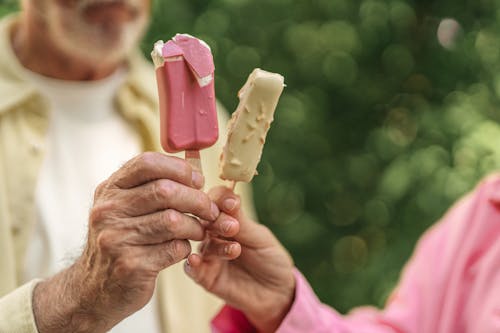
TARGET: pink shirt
(450,285)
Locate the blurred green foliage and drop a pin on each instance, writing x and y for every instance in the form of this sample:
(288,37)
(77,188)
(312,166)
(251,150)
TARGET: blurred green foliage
(7,6)
(381,128)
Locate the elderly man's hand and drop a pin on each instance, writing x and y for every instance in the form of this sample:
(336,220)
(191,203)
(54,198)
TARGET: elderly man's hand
(137,227)
(244,264)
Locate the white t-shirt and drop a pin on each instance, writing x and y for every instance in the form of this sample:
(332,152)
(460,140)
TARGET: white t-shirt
(87,141)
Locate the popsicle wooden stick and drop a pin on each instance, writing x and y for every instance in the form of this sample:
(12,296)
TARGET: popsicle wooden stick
(193,158)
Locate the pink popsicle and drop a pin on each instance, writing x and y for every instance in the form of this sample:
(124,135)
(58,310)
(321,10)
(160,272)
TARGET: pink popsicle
(185,77)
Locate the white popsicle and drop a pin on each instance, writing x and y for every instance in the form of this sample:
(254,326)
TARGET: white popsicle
(249,125)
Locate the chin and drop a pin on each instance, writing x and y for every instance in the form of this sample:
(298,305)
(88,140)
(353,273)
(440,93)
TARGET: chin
(94,43)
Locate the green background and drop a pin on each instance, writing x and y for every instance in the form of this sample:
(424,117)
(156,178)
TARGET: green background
(380,129)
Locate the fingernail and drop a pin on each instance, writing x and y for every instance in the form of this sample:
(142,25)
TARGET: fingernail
(215,211)
(228,249)
(227,225)
(229,204)
(187,267)
(198,179)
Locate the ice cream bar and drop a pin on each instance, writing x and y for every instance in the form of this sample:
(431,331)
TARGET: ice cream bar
(249,125)
(185,77)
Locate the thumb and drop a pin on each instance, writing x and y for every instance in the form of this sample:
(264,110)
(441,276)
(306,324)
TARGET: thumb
(203,271)
(193,267)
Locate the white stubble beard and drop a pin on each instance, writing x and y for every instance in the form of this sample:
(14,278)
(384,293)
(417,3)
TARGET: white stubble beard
(93,43)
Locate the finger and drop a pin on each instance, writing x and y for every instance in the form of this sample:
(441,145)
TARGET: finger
(203,271)
(226,200)
(161,227)
(250,233)
(193,266)
(194,260)
(221,249)
(161,256)
(151,259)
(163,194)
(151,166)
(224,226)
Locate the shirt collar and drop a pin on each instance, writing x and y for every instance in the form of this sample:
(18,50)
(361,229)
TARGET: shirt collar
(13,88)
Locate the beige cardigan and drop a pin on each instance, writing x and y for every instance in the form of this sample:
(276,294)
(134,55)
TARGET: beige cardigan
(184,306)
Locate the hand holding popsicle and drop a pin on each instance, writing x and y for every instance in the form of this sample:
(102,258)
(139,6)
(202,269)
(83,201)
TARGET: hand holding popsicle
(185,77)
(262,288)
(139,224)
(260,282)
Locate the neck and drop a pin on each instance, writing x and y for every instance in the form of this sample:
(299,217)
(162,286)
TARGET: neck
(37,52)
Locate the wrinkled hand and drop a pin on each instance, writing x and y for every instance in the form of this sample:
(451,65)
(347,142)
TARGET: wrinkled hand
(136,229)
(251,271)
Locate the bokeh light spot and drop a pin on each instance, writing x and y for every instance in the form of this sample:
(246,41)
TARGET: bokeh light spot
(396,180)
(402,15)
(401,127)
(376,212)
(340,36)
(372,10)
(286,202)
(340,68)
(362,169)
(242,60)
(294,110)
(349,254)
(398,60)
(344,210)
(448,33)
(488,46)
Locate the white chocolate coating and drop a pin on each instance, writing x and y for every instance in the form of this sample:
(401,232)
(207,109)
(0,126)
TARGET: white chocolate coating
(157,54)
(159,60)
(249,125)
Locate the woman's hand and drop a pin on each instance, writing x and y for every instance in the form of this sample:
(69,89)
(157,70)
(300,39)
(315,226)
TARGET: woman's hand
(242,262)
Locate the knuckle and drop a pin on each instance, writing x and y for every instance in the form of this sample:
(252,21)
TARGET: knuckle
(125,266)
(173,220)
(143,162)
(101,212)
(146,159)
(105,241)
(99,189)
(97,214)
(165,189)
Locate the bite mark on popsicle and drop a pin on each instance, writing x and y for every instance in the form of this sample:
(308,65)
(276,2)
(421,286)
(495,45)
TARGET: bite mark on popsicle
(185,77)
